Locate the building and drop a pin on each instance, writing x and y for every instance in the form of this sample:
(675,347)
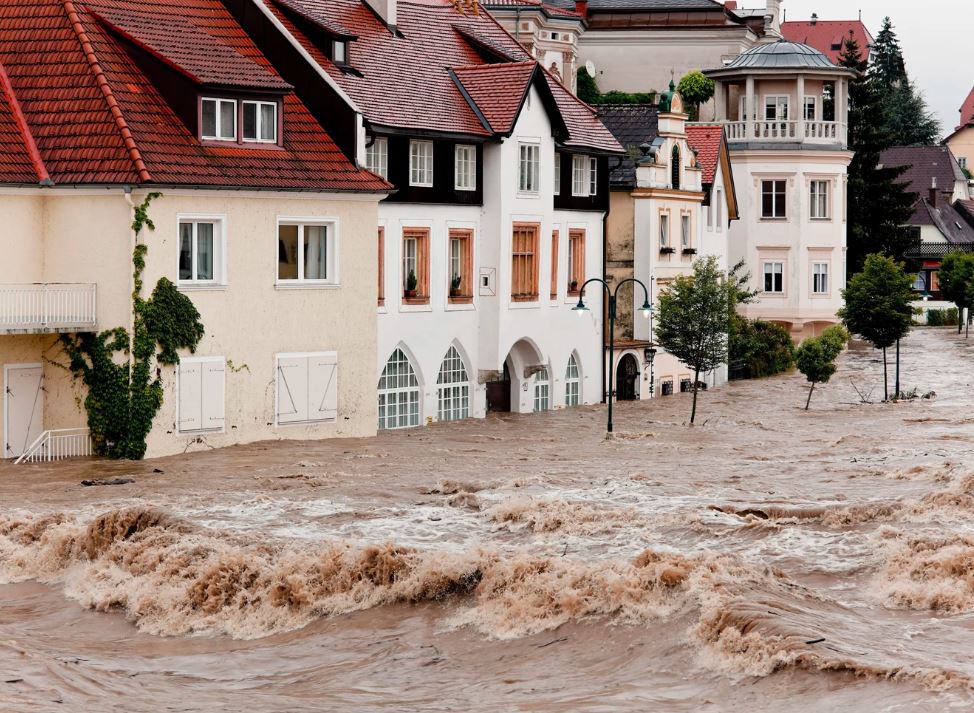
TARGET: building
(783,106)
(942,219)
(961,140)
(828,36)
(672,199)
(501,181)
(264,223)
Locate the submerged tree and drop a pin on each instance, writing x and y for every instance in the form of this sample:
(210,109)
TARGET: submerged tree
(816,357)
(693,319)
(877,305)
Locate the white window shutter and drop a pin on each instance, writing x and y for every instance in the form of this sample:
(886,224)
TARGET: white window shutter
(292,389)
(323,386)
(190,396)
(213,394)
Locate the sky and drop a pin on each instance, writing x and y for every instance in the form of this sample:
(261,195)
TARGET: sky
(937,38)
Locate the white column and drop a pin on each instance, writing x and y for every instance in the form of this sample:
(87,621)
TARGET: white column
(801,107)
(842,110)
(721,107)
(751,109)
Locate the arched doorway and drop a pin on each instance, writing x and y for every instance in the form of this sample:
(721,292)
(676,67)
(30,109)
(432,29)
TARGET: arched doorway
(514,391)
(627,378)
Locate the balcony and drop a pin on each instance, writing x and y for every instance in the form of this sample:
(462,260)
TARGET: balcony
(826,133)
(47,307)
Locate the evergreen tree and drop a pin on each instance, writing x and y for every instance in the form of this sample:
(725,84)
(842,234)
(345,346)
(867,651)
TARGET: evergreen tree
(878,205)
(909,121)
(888,68)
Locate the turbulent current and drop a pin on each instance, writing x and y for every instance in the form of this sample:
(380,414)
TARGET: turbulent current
(767,557)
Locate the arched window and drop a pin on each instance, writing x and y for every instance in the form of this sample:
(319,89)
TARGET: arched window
(571,382)
(675,166)
(398,393)
(453,388)
(541,388)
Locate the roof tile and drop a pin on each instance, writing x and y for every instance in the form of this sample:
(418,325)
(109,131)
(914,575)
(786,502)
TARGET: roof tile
(827,35)
(498,90)
(706,139)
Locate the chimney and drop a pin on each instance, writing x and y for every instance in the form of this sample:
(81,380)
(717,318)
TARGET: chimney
(581,7)
(386,9)
(730,4)
(933,191)
(814,18)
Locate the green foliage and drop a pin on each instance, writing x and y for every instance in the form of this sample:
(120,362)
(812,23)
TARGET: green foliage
(757,348)
(816,356)
(888,67)
(123,395)
(942,317)
(588,91)
(586,87)
(907,119)
(696,89)
(956,277)
(411,281)
(835,338)
(694,319)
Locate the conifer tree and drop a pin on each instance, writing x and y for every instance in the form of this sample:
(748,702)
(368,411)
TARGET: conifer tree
(888,67)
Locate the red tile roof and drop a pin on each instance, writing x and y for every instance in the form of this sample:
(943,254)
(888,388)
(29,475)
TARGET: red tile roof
(498,90)
(827,36)
(97,118)
(585,129)
(967,110)
(19,160)
(706,140)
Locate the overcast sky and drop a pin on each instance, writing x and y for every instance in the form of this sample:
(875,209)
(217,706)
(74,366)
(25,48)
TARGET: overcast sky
(937,37)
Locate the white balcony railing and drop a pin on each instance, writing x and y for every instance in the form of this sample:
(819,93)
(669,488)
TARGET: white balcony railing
(47,307)
(58,445)
(815,132)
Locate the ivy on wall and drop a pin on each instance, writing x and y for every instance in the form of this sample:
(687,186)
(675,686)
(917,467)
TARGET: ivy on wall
(121,370)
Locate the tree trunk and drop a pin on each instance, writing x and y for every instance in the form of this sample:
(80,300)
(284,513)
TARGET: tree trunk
(885,378)
(696,380)
(810,390)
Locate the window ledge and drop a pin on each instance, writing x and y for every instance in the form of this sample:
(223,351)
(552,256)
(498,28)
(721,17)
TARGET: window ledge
(769,219)
(416,300)
(461,307)
(420,185)
(191,287)
(819,220)
(524,298)
(306,286)
(528,194)
(461,300)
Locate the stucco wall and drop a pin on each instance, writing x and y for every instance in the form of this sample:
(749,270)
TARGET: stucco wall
(21,231)
(962,146)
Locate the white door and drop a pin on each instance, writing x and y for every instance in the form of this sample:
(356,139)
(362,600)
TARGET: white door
(23,407)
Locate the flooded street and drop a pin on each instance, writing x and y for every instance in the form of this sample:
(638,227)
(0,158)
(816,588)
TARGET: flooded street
(766,557)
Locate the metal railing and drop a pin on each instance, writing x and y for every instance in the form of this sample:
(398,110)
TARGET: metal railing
(58,444)
(47,307)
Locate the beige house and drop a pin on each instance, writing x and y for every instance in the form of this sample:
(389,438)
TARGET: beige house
(961,141)
(264,223)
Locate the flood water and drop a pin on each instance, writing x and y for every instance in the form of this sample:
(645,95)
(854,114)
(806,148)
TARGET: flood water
(766,558)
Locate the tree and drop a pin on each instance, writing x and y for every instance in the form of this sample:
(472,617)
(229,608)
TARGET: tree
(877,305)
(888,68)
(956,277)
(908,119)
(587,88)
(816,357)
(878,206)
(693,319)
(696,89)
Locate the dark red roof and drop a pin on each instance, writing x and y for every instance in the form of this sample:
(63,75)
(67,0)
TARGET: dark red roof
(17,165)
(967,110)
(585,129)
(498,90)
(97,118)
(706,140)
(827,36)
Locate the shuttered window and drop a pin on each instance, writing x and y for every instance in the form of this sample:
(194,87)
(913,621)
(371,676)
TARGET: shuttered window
(201,385)
(524,261)
(307,387)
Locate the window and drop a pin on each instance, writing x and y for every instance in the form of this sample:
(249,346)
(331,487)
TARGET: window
(260,122)
(524,262)
(809,108)
(580,176)
(920,282)
(710,214)
(819,199)
(675,167)
(461,265)
(200,251)
(339,52)
(452,388)
(465,168)
(962,161)
(377,156)
(557,174)
(820,278)
(307,387)
(576,260)
(743,107)
(719,207)
(415,264)
(201,394)
(773,199)
(776,108)
(664,230)
(219,119)
(306,253)
(774,277)
(685,231)
(593,176)
(571,382)
(528,166)
(554,264)
(541,390)
(421,163)
(382,266)
(398,393)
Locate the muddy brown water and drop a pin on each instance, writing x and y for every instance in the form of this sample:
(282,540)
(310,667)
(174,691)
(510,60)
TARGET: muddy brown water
(766,558)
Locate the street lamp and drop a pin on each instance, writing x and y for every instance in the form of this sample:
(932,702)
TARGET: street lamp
(581,309)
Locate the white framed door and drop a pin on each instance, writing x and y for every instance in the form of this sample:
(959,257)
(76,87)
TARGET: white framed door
(23,407)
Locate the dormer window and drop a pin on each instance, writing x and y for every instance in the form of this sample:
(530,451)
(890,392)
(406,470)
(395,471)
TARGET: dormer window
(219,119)
(339,52)
(255,122)
(260,122)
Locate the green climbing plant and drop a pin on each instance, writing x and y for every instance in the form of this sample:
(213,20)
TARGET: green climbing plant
(121,370)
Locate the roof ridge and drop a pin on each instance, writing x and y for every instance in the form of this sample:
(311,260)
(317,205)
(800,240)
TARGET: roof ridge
(495,65)
(6,87)
(86,47)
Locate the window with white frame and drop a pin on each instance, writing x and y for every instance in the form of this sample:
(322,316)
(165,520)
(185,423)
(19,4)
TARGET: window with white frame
(421,163)
(809,108)
(719,208)
(820,278)
(307,387)
(528,168)
(776,108)
(398,393)
(557,173)
(260,122)
(200,251)
(664,230)
(773,199)
(465,167)
(306,252)
(377,156)
(572,382)
(819,199)
(579,175)
(453,388)
(593,176)
(542,386)
(774,275)
(339,52)
(219,119)
(685,231)
(201,394)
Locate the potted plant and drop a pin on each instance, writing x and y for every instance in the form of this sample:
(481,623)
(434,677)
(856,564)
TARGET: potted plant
(666,250)
(411,283)
(689,251)
(573,286)
(455,286)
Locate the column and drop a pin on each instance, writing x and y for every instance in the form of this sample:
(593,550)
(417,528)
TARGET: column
(801,108)
(841,111)
(721,101)
(751,126)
